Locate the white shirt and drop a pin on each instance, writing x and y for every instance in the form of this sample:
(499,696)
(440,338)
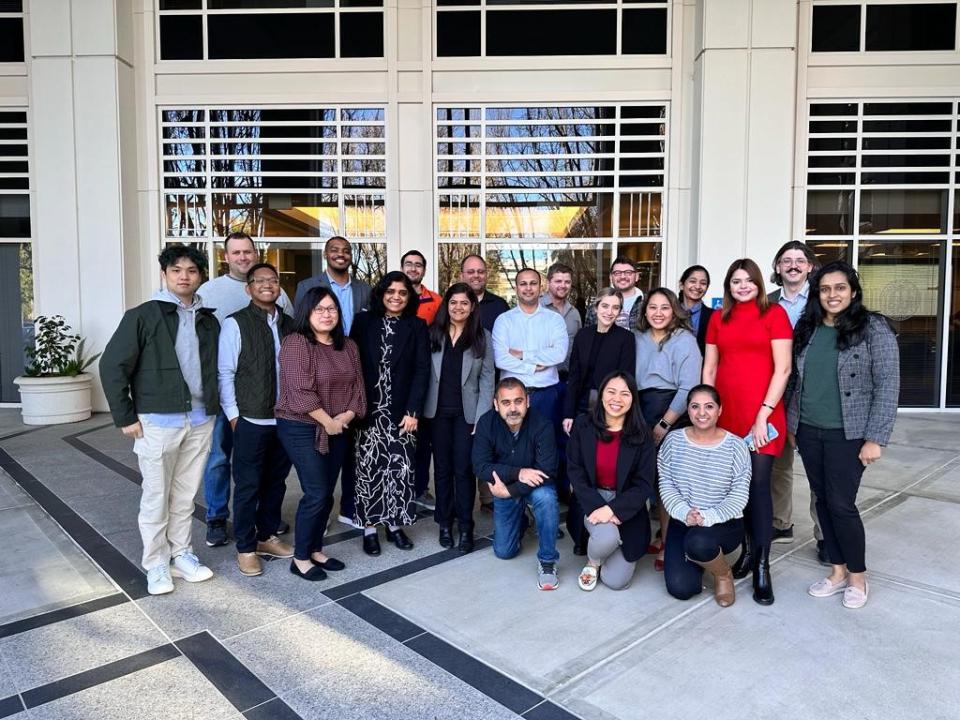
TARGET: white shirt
(229,354)
(540,335)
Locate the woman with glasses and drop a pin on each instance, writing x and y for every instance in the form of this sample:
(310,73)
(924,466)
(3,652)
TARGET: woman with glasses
(842,412)
(395,356)
(460,391)
(321,393)
(598,350)
(747,360)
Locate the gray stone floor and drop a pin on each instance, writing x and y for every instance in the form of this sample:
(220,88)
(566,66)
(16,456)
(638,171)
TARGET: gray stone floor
(430,634)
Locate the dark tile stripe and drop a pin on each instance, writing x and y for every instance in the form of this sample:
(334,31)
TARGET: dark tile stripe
(98,676)
(490,682)
(382,618)
(23,432)
(395,573)
(199,511)
(11,706)
(355,533)
(54,616)
(549,711)
(275,709)
(231,677)
(123,572)
(88,431)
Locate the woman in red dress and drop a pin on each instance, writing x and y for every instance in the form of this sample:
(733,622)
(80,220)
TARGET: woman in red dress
(747,358)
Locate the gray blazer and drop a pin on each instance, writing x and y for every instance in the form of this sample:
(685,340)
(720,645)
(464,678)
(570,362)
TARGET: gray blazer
(476,381)
(869,379)
(360,290)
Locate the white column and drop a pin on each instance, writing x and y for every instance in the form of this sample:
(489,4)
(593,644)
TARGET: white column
(81,86)
(744,89)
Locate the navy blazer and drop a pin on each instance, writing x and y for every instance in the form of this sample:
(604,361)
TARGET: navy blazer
(636,465)
(410,362)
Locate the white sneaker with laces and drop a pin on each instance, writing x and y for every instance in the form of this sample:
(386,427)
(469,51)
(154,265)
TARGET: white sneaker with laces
(189,567)
(159,581)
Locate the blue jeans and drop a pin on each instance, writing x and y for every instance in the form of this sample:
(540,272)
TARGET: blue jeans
(318,478)
(216,477)
(508,519)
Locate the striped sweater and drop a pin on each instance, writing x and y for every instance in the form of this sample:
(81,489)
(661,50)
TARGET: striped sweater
(715,479)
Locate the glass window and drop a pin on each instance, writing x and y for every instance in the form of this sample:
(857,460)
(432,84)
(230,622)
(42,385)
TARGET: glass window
(914,26)
(836,28)
(903,211)
(549,215)
(458,34)
(647,259)
(644,32)
(596,32)
(903,281)
(181,37)
(11,39)
(830,212)
(361,34)
(449,257)
(288,35)
(953,333)
(830,250)
(459,216)
(16,313)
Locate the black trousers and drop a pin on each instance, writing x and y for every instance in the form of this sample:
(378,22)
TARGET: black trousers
(685,578)
(453,479)
(421,463)
(758,515)
(260,469)
(834,470)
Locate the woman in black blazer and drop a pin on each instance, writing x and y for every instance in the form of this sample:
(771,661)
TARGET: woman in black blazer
(395,358)
(611,459)
(694,284)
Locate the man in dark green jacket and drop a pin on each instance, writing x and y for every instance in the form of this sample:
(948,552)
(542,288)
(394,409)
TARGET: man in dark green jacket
(159,374)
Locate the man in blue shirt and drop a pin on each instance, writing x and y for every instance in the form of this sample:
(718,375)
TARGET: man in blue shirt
(515,453)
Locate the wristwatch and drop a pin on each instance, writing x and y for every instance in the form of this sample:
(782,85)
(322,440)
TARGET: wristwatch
(664,424)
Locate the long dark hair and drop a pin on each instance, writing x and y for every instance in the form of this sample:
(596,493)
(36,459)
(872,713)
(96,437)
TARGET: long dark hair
(851,324)
(753,270)
(380,289)
(634,426)
(304,309)
(681,318)
(473,337)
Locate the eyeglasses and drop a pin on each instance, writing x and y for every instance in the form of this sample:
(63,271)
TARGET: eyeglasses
(265,282)
(623,273)
(786,262)
(324,310)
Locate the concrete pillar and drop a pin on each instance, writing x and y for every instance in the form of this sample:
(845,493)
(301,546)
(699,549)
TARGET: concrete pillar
(84,155)
(744,89)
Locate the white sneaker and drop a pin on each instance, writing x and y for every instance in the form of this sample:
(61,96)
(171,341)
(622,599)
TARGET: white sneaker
(189,567)
(349,522)
(158,580)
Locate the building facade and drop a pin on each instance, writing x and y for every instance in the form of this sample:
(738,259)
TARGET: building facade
(671,131)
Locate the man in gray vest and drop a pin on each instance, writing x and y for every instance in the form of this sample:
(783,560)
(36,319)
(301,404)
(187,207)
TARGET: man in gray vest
(248,374)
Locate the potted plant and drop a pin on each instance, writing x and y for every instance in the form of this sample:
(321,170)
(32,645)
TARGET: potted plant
(54,388)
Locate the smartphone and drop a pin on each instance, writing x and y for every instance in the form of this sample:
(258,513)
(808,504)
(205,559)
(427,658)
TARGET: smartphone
(771,435)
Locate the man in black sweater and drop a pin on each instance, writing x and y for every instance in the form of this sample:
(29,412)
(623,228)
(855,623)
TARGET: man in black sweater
(515,452)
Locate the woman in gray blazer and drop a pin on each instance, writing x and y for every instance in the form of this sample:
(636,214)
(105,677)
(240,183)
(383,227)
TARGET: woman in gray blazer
(841,414)
(460,391)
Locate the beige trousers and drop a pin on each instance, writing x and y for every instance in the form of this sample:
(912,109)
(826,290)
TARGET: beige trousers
(781,487)
(171,461)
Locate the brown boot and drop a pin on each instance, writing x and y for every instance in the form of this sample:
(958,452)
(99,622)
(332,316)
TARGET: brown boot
(723,589)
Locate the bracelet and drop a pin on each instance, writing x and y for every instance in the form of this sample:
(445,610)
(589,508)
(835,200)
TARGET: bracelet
(767,405)
(664,424)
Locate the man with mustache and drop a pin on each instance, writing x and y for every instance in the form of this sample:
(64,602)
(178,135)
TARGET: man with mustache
(792,266)
(514,451)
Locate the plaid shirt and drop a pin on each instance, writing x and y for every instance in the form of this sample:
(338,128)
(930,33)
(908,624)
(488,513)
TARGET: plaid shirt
(315,376)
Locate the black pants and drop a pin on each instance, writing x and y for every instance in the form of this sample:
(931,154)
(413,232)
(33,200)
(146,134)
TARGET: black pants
(833,467)
(421,463)
(260,469)
(684,578)
(453,478)
(758,515)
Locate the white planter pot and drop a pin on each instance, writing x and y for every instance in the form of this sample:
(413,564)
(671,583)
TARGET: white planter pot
(55,400)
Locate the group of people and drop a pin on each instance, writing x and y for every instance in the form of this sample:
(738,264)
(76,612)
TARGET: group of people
(656,405)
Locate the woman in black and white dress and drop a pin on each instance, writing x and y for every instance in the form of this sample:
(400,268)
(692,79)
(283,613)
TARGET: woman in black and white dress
(395,356)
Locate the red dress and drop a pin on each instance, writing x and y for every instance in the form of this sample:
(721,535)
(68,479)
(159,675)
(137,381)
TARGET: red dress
(746,366)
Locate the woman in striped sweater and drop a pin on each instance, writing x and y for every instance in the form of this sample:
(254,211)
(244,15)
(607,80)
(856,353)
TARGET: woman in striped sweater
(704,485)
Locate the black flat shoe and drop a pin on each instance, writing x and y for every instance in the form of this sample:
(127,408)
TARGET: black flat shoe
(371,544)
(330,564)
(466,542)
(399,538)
(446,536)
(314,573)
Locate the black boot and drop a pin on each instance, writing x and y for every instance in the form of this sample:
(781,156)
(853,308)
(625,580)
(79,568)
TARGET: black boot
(744,564)
(446,536)
(466,539)
(762,583)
